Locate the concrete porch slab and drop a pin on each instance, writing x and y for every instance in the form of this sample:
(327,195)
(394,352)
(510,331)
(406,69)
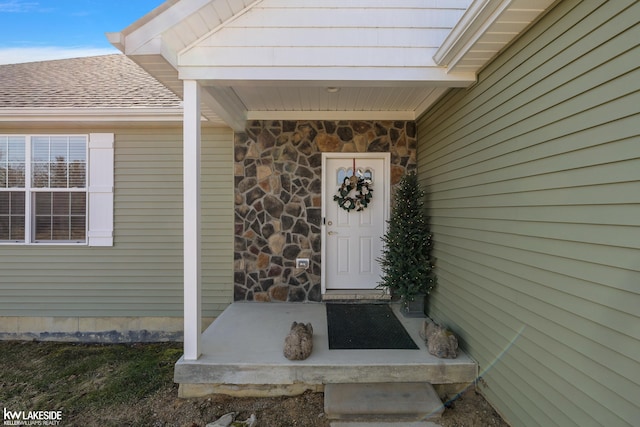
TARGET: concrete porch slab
(244,347)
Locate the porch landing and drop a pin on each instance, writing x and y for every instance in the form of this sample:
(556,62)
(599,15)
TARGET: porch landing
(242,354)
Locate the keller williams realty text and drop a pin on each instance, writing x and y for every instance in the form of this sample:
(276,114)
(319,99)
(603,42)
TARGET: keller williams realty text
(32,418)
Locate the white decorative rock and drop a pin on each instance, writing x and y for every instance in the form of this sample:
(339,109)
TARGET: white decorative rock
(223,421)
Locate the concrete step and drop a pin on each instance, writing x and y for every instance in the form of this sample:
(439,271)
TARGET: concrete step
(382,401)
(383,424)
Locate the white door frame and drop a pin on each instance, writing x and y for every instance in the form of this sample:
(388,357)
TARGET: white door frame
(328,198)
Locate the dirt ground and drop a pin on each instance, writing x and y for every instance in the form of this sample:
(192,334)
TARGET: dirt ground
(131,385)
(164,409)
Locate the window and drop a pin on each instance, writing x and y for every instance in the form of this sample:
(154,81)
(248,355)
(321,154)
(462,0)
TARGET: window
(342,174)
(45,191)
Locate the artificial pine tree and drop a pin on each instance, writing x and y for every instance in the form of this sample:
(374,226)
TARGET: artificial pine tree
(407,266)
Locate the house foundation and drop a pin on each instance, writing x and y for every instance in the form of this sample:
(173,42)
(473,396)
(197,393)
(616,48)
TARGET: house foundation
(93,329)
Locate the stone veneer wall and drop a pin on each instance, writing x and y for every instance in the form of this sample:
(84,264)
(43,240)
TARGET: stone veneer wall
(278,196)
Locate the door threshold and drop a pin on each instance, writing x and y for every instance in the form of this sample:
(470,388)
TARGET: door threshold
(358,295)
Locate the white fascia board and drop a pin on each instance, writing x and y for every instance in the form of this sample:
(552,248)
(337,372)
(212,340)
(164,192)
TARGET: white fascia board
(330,76)
(480,15)
(146,29)
(92,114)
(331,115)
(116,40)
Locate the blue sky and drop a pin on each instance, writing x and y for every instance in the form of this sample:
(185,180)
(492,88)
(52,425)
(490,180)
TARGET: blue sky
(36,30)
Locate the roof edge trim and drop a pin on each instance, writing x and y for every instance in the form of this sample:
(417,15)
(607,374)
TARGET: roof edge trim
(480,15)
(154,24)
(135,114)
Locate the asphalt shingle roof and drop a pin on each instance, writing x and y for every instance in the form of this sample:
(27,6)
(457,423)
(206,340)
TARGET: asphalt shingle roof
(109,81)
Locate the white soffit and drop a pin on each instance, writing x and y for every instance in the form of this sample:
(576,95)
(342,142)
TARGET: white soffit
(486,28)
(397,103)
(262,59)
(164,72)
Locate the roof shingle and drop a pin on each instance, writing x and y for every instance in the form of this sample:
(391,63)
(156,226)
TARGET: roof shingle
(109,81)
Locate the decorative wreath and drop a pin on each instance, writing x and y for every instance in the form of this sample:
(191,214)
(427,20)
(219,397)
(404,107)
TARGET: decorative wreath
(354,193)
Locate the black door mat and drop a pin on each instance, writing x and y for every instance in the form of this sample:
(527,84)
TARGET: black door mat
(366,327)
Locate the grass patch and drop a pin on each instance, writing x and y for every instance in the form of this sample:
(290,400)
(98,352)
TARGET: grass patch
(132,385)
(75,377)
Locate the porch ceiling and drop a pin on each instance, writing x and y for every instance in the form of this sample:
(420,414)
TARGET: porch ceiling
(322,59)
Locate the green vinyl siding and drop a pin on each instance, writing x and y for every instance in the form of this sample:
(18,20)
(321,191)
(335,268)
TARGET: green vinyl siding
(217,221)
(533,179)
(141,275)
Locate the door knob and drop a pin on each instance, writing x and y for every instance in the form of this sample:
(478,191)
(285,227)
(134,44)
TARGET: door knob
(331,233)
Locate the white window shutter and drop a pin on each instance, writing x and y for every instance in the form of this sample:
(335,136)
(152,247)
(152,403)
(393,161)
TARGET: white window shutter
(100,185)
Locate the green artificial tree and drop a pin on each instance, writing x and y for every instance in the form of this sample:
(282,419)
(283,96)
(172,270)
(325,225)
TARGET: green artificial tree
(407,266)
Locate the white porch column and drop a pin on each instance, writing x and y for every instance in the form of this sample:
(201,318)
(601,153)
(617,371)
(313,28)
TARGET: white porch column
(192,271)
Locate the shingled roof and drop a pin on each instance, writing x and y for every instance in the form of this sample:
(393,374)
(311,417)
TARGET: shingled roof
(109,81)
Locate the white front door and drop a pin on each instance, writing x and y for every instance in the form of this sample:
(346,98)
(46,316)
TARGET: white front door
(352,241)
